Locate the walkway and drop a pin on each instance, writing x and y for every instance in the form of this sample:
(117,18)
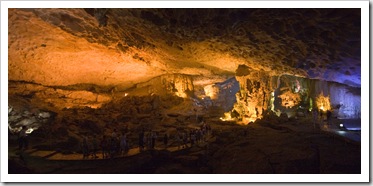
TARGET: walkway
(54,155)
(349,135)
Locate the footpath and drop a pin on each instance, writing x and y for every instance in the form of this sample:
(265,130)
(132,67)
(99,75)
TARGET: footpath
(55,155)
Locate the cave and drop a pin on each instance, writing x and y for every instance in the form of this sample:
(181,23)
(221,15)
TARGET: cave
(184,91)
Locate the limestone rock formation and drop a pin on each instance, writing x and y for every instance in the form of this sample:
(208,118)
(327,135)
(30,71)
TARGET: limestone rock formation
(75,71)
(126,46)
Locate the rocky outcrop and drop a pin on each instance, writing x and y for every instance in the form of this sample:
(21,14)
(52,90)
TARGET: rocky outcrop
(32,119)
(253,96)
(294,96)
(177,84)
(50,97)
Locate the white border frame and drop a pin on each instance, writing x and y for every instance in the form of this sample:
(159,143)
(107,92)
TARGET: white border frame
(363,177)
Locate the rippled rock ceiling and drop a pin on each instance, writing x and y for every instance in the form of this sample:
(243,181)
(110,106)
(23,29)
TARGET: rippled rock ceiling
(122,47)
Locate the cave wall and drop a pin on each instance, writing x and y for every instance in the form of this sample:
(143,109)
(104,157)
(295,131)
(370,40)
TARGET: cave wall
(57,98)
(292,95)
(178,84)
(345,100)
(245,98)
(227,91)
(260,93)
(221,95)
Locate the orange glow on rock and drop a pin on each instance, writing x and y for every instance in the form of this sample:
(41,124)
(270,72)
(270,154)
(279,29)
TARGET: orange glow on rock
(323,102)
(211,91)
(289,99)
(250,99)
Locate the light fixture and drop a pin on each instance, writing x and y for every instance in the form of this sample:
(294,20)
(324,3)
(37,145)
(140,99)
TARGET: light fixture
(29,131)
(341,126)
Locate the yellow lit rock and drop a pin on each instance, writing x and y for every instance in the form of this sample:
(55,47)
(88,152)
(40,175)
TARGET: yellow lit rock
(289,99)
(323,102)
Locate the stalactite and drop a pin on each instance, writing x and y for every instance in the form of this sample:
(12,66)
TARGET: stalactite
(291,96)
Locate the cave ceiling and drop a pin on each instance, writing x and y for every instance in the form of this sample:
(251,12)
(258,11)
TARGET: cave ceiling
(122,47)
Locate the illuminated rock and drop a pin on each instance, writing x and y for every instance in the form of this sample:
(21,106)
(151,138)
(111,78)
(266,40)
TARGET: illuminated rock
(253,95)
(289,99)
(290,95)
(18,118)
(177,84)
(247,62)
(212,91)
(129,46)
(323,102)
(75,72)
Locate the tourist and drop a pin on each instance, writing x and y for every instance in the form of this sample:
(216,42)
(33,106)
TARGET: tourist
(114,134)
(153,138)
(196,113)
(192,138)
(179,139)
(315,115)
(84,147)
(141,140)
(321,115)
(148,139)
(94,147)
(204,133)
(245,131)
(23,139)
(198,135)
(165,140)
(123,144)
(113,147)
(329,117)
(208,128)
(104,147)
(185,140)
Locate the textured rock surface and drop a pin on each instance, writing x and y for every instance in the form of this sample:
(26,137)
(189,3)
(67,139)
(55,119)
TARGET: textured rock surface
(125,46)
(89,57)
(260,94)
(86,72)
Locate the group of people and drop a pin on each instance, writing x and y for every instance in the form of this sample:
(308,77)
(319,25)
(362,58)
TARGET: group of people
(115,145)
(89,146)
(195,136)
(320,115)
(110,146)
(147,140)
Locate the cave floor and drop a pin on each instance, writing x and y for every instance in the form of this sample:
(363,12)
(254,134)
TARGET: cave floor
(265,147)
